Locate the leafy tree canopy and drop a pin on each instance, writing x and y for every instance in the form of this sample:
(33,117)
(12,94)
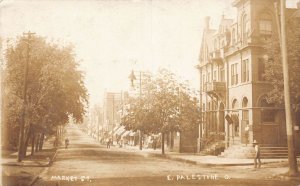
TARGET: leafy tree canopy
(274,72)
(165,105)
(55,86)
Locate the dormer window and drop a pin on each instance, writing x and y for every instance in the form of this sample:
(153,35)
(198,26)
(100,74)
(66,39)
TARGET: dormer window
(246,28)
(233,37)
(265,24)
(216,44)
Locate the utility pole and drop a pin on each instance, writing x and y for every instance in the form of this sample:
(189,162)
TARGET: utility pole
(293,169)
(113,118)
(200,109)
(140,98)
(22,124)
(132,78)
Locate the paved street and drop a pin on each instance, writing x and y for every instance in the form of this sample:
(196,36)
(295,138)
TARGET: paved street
(88,163)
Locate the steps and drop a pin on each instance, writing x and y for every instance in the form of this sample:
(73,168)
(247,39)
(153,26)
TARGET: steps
(274,152)
(237,151)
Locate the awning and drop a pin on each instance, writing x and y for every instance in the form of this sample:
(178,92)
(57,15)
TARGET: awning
(120,130)
(115,129)
(132,133)
(126,133)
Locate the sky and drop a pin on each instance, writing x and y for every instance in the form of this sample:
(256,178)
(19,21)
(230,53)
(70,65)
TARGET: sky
(112,37)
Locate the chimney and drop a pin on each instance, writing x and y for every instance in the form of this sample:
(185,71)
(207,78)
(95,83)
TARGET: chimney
(207,18)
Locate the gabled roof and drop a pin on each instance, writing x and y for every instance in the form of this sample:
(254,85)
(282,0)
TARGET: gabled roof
(207,42)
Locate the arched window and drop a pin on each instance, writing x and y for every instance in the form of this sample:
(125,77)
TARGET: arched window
(234,104)
(245,111)
(235,118)
(267,111)
(265,24)
(245,28)
(245,102)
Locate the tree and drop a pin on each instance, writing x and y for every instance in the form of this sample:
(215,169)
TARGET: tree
(289,76)
(165,106)
(273,66)
(55,89)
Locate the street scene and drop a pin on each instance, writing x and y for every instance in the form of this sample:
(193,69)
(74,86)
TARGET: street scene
(85,162)
(150,92)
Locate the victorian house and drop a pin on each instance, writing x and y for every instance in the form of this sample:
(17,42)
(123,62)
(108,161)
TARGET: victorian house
(233,89)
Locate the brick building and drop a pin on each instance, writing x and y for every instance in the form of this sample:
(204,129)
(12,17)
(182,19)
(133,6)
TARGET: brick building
(233,88)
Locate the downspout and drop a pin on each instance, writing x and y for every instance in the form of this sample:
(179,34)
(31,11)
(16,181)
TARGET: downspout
(227,100)
(201,121)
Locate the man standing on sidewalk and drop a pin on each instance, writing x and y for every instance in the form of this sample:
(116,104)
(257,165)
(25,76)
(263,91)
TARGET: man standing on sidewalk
(257,154)
(108,143)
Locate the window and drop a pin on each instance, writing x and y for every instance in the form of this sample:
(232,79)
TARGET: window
(222,75)
(245,70)
(265,25)
(234,74)
(235,117)
(261,69)
(215,76)
(267,113)
(245,111)
(208,77)
(234,104)
(216,44)
(203,82)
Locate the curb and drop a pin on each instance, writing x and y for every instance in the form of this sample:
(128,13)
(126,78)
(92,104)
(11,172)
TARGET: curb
(34,180)
(193,162)
(22,165)
(212,164)
(290,178)
(52,159)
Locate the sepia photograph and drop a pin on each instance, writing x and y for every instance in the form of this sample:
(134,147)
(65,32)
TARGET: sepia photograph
(150,92)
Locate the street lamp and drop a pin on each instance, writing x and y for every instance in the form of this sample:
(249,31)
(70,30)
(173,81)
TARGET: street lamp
(132,79)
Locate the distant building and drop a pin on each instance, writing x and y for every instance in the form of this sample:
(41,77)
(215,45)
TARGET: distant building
(113,108)
(95,121)
(233,88)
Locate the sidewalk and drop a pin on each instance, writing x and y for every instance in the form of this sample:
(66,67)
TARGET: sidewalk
(39,159)
(27,171)
(205,160)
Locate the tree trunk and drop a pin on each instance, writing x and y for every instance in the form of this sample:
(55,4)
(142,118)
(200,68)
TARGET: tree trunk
(141,139)
(37,143)
(28,132)
(172,140)
(41,143)
(61,132)
(162,143)
(32,142)
(58,136)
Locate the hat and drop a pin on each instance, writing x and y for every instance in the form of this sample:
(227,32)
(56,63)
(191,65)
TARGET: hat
(255,142)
